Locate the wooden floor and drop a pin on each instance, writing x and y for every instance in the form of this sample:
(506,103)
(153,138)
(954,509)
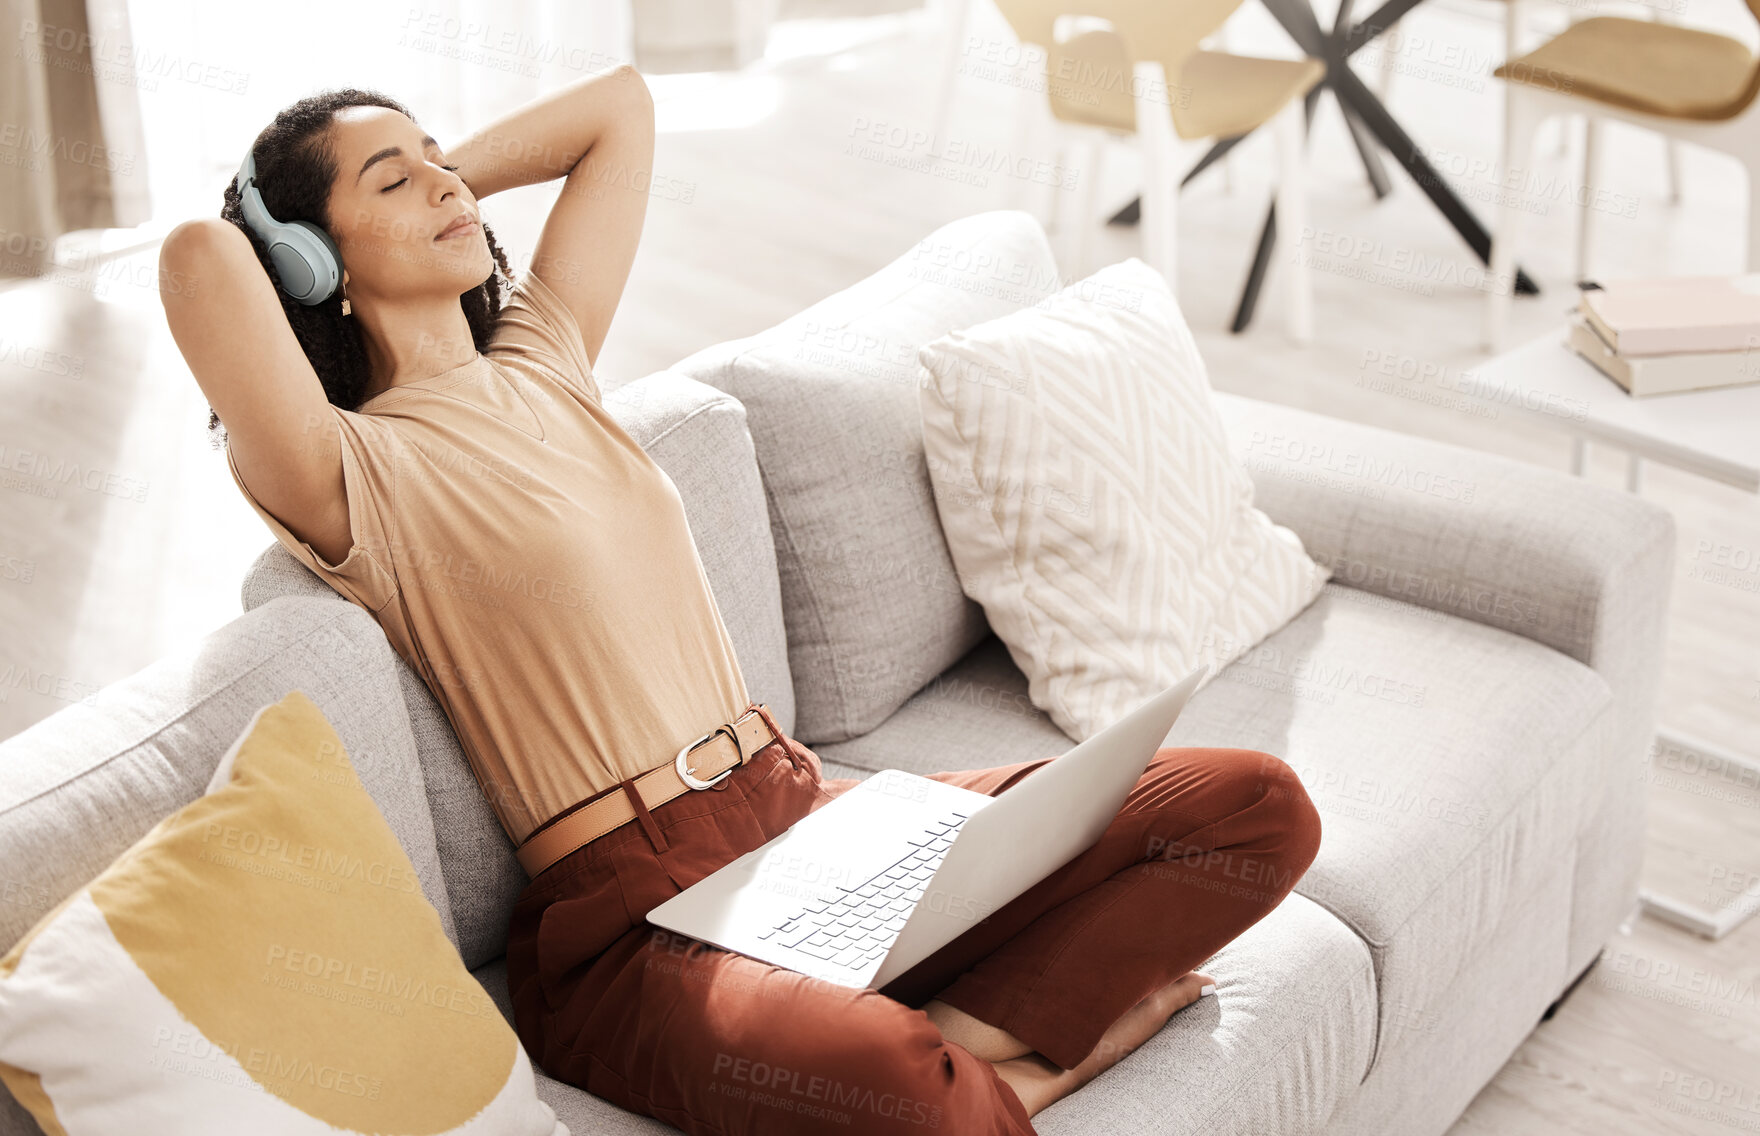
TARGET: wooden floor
(122,537)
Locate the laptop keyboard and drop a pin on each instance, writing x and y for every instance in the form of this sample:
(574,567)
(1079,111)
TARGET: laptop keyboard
(857,927)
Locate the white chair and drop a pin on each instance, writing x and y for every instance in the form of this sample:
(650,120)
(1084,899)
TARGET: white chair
(953,17)
(1136,70)
(1689,85)
(1514,15)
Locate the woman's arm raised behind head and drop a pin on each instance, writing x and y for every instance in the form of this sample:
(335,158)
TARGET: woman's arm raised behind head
(281,429)
(599,131)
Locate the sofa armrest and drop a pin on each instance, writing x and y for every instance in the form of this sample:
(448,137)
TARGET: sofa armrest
(1583,569)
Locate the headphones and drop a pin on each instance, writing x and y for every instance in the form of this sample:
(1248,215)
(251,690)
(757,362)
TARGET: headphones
(306,259)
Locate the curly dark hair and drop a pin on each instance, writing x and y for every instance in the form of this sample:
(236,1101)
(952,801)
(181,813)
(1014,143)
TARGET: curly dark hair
(296,165)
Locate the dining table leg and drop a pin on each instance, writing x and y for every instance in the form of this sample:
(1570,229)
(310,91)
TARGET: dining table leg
(1370,123)
(1360,135)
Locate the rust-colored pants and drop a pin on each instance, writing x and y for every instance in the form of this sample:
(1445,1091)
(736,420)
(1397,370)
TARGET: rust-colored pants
(713,1042)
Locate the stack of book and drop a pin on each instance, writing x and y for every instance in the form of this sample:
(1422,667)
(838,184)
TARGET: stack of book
(1660,336)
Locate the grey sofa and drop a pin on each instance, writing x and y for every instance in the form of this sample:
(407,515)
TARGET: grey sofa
(1468,703)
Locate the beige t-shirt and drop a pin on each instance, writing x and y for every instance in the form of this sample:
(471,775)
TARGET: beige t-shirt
(533,565)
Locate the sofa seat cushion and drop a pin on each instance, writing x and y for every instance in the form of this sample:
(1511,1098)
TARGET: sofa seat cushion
(1451,764)
(1449,761)
(1287,1037)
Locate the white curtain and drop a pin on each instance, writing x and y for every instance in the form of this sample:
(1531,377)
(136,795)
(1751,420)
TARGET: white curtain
(72,154)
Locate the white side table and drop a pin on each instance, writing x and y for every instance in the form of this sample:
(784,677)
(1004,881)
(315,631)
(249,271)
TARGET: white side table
(1714,434)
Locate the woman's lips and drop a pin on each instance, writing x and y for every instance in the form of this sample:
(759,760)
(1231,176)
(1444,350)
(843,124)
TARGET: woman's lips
(459,228)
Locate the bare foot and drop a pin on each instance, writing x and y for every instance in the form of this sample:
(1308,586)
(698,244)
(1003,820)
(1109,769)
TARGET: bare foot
(1039,1083)
(979,1037)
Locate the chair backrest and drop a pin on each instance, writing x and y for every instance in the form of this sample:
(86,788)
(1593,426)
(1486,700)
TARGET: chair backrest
(1701,111)
(1752,87)
(1167,31)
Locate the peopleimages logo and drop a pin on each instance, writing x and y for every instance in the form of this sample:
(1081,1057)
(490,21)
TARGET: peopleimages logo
(1365,469)
(184,1050)
(272,848)
(470,999)
(1432,592)
(433,566)
(48,474)
(792,1089)
(1482,397)
(1728,564)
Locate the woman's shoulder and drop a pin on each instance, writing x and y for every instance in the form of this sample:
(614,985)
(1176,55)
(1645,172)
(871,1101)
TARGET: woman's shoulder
(537,330)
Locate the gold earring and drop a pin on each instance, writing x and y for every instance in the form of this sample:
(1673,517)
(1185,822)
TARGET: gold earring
(346,309)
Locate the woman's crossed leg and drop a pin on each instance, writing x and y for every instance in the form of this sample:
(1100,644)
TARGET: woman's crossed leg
(1206,844)
(715,1042)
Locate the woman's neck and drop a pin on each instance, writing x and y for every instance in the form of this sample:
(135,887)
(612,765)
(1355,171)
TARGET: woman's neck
(413,340)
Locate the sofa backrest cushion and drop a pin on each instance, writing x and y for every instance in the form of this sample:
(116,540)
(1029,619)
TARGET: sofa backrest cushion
(91,779)
(873,605)
(698,436)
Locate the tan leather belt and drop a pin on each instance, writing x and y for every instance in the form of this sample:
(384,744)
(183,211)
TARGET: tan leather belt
(698,765)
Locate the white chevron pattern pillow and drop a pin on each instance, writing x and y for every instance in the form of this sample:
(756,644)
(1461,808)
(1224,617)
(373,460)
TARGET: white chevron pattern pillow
(1091,500)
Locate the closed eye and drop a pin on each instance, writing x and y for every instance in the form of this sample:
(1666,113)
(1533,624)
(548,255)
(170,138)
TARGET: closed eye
(400,181)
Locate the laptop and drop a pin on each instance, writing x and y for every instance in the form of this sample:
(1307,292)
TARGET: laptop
(865,887)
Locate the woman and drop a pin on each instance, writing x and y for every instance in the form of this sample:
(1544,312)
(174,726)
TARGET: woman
(438,452)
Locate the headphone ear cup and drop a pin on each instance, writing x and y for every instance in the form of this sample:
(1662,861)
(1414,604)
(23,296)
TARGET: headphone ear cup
(331,252)
(307,260)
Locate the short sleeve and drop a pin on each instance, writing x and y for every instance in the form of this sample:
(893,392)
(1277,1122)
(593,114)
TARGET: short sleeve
(364,575)
(536,327)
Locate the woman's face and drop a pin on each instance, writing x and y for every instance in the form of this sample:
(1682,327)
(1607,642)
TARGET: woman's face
(391,200)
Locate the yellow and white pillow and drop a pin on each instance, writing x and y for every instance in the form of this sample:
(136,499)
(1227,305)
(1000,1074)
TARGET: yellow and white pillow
(262,961)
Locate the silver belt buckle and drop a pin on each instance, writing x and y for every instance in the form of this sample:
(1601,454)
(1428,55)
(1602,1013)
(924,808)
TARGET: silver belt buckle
(684,771)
